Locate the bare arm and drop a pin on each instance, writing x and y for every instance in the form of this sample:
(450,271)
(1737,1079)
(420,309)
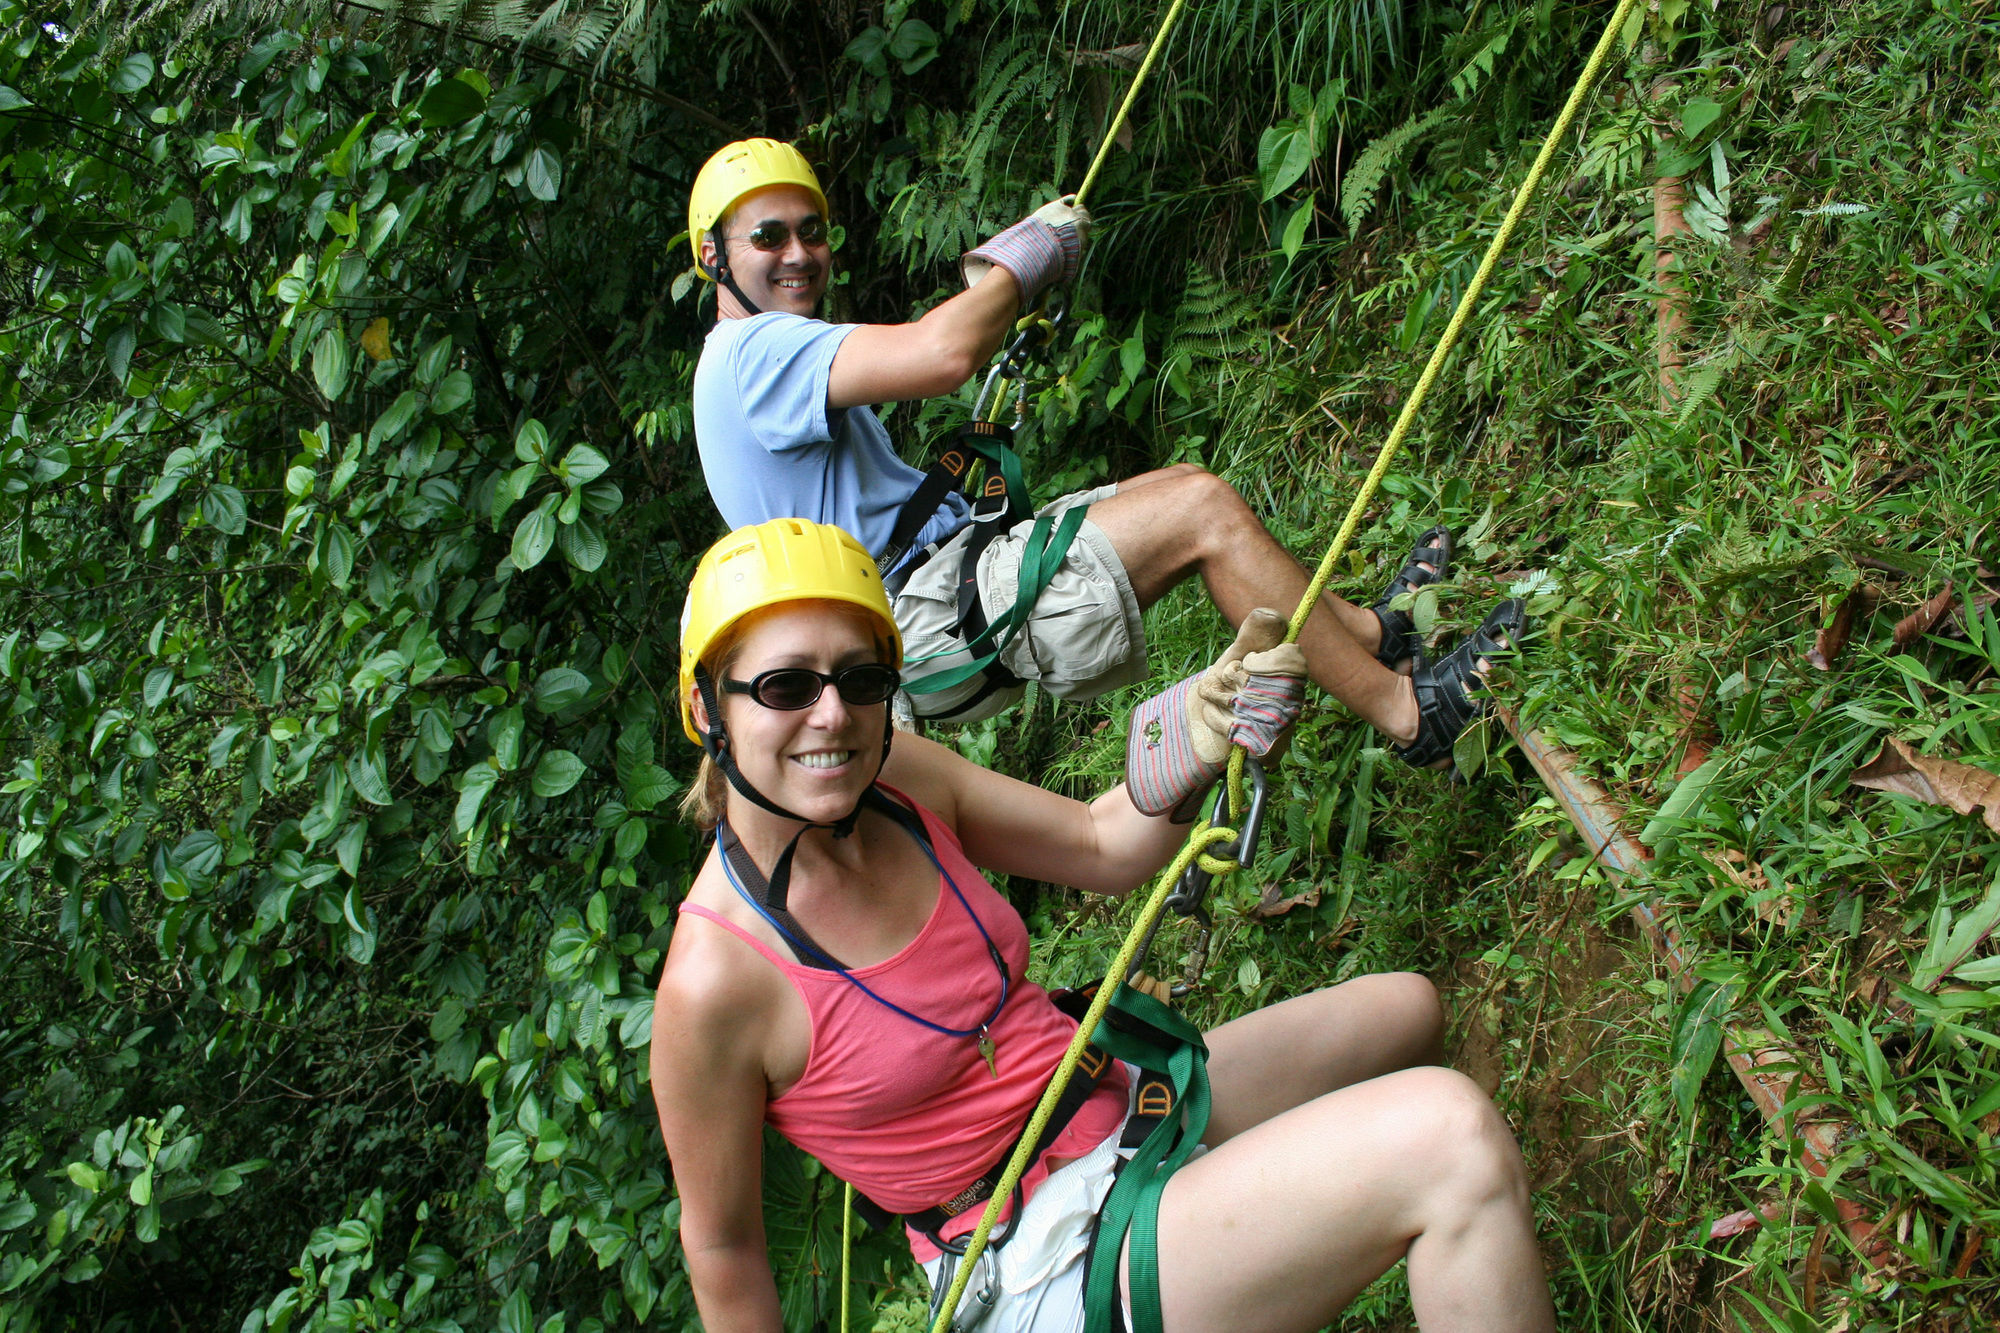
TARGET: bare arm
(1105,846)
(933,356)
(709,1088)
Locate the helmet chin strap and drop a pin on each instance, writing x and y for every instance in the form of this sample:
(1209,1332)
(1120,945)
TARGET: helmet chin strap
(722,273)
(716,742)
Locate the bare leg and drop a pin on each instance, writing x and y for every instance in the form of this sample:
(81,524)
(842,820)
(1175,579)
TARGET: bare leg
(1177,521)
(1284,1055)
(1284,1224)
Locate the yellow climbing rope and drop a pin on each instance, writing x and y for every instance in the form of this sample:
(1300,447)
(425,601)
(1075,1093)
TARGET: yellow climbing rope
(1204,834)
(1173,15)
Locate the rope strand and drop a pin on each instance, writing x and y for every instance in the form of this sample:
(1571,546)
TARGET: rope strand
(1131,96)
(1203,834)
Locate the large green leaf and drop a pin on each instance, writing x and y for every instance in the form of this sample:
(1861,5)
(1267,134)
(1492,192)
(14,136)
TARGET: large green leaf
(1283,154)
(543,173)
(330,363)
(534,535)
(450,102)
(223,508)
(559,687)
(556,772)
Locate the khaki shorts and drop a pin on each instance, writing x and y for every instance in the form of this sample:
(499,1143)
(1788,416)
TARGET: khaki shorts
(1084,636)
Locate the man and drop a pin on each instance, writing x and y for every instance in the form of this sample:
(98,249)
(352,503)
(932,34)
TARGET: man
(783,422)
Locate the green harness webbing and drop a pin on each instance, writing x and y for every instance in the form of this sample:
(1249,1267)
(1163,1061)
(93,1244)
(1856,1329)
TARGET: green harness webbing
(1159,1042)
(1042,558)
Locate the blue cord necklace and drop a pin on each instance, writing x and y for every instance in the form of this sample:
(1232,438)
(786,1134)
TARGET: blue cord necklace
(803,946)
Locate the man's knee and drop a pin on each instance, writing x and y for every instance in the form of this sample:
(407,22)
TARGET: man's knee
(1194,493)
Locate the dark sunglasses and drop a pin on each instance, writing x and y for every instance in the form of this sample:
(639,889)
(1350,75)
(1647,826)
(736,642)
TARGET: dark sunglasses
(772,234)
(788,689)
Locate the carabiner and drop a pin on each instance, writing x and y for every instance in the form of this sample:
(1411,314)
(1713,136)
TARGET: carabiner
(1190,895)
(1035,334)
(981,1293)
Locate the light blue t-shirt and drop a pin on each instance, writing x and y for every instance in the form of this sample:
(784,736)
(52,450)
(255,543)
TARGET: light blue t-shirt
(770,447)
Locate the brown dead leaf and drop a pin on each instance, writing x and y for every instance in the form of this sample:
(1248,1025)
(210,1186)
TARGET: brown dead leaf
(1780,909)
(1117,57)
(1975,1241)
(1735,1224)
(375,338)
(1748,1219)
(1273,903)
(1922,620)
(1902,476)
(1899,768)
(1832,639)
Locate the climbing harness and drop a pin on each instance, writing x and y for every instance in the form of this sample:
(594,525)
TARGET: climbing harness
(984,437)
(1205,835)
(1002,501)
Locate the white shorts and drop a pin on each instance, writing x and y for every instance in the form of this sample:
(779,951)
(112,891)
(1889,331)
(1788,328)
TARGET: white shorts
(1041,1265)
(1083,638)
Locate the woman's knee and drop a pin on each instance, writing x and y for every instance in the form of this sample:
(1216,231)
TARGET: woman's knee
(1419,1013)
(1402,1012)
(1467,1138)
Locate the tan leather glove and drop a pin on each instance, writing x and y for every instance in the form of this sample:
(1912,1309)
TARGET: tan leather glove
(1180,738)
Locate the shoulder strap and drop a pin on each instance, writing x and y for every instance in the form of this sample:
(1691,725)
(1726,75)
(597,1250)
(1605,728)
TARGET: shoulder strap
(769,895)
(1005,484)
(809,951)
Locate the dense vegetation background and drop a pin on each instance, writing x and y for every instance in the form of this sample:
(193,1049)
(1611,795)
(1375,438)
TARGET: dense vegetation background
(347,491)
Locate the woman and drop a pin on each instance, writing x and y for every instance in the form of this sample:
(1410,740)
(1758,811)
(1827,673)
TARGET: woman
(843,972)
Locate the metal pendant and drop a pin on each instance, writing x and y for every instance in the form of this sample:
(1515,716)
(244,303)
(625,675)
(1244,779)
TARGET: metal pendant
(991,1052)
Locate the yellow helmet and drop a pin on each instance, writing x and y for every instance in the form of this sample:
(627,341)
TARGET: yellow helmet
(744,167)
(784,560)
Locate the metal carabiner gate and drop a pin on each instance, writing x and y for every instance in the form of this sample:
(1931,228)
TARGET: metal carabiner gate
(1190,896)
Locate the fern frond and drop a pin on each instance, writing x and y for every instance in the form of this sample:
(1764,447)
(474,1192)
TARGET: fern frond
(1697,387)
(1364,177)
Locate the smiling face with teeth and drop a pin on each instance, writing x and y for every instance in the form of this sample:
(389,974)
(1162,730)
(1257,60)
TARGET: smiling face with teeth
(791,278)
(814,761)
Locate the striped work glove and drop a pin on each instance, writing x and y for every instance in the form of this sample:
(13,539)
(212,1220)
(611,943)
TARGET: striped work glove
(1039,250)
(1180,739)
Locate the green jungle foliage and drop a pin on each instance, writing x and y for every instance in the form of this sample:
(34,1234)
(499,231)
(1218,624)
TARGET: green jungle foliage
(347,494)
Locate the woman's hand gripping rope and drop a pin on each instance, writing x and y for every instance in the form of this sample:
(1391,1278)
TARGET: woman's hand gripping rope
(1180,738)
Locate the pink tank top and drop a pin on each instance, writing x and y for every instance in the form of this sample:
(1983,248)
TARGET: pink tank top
(911,1116)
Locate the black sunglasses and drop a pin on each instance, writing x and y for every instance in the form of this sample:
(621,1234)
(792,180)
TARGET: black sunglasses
(772,234)
(788,689)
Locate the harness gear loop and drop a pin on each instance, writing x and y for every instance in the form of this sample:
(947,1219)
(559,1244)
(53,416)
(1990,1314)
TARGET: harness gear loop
(1204,834)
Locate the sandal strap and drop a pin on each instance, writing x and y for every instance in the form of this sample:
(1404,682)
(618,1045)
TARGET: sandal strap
(1399,629)
(1448,698)
(1433,548)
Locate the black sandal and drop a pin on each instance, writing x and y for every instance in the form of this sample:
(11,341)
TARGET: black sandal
(1450,693)
(1399,628)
